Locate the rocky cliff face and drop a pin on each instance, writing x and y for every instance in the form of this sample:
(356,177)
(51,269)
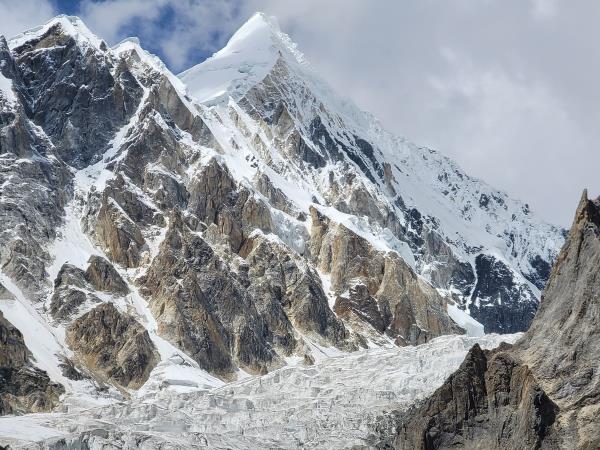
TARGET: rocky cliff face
(561,346)
(23,387)
(375,287)
(491,402)
(541,393)
(152,224)
(113,345)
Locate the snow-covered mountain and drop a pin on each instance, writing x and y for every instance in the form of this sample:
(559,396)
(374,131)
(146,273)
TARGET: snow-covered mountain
(472,242)
(181,232)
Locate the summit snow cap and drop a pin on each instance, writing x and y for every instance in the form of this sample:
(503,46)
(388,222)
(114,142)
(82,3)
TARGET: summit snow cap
(245,60)
(71,25)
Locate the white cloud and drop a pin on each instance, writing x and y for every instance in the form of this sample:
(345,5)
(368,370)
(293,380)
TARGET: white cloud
(511,97)
(193,24)
(511,130)
(18,16)
(544,9)
(108,18)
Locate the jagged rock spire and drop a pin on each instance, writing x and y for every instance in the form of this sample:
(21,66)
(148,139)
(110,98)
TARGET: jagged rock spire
(563,341)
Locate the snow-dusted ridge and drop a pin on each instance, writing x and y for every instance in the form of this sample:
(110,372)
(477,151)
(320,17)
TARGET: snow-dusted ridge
(72,25)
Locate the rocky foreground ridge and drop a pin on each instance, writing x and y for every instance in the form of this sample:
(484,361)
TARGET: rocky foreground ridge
(541,393)
(227,222)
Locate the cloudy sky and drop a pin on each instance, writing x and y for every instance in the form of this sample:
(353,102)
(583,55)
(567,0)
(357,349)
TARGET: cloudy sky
(508,88)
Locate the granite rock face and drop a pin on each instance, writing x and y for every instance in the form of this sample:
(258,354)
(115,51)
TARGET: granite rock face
(226,312)
(561,345)
(113,345)
(286,286)
(69,293)
(379,288)
(81,104)
(23,387)
(490,402)
(201,306)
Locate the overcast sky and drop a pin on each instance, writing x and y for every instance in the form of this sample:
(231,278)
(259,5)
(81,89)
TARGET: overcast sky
(507,88)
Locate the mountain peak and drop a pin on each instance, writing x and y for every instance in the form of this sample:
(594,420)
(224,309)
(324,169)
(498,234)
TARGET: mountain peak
(587,211)
(71,25)
(258,24)
(246,58)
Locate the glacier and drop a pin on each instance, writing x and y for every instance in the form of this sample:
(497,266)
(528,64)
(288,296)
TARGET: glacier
(333,404)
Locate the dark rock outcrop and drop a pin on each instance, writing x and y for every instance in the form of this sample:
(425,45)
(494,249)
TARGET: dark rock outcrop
(496,285)
(490,402)
(23,387)
(35,189)
(74,93)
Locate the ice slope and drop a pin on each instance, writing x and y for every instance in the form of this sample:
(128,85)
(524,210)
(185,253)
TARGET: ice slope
(333,404)
(244,61)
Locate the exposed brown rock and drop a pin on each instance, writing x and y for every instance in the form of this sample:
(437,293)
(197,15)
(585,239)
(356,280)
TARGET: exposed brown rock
(118,234)
(295,291)
(216,198)
(417,310)
(201,306)
(102,275)
(113,345)
(379,288)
